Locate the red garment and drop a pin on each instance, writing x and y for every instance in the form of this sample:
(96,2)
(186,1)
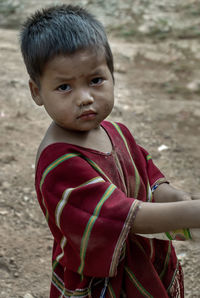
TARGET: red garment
(89,200)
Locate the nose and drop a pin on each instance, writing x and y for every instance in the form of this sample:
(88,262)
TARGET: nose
(84,98)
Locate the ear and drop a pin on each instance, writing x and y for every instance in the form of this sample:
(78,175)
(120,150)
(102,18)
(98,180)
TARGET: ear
(35,92)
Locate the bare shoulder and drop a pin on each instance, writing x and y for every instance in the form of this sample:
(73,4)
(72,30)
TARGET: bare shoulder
(52,135)
(96,139)
(56,134)
(44,143)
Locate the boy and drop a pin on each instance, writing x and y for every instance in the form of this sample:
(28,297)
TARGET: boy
(95,185)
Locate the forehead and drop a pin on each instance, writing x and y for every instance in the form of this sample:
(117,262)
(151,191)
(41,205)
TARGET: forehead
(78,62)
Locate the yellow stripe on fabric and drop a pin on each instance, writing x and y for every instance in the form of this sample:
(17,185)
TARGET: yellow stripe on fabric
(55,263)
(166,261)
(62,203)
(63,243)
(47,213)
(111,291)
(59,161)
(48,169)
(97,168)
(137,176)
(179,234)
(168,235)
(187,234)
(55,164)
(59,284)
(148,157)
(90,224)
(138,285)
(173,277)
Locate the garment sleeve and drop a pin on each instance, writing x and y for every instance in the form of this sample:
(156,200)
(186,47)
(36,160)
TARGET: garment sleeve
(143,159)
(155,176)
(89,217)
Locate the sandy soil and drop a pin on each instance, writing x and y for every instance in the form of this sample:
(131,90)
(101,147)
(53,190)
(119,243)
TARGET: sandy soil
(157,97)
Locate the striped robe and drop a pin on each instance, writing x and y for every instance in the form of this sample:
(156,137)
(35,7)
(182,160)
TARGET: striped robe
(90,200)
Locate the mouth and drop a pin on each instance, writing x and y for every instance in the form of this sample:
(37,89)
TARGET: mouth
(87,115)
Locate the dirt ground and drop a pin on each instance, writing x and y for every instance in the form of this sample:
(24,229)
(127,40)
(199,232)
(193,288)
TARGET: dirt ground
(157,97)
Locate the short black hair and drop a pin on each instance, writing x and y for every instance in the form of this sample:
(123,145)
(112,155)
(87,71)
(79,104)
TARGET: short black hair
(60,29)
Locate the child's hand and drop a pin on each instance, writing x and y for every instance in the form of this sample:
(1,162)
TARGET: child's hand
(167,193)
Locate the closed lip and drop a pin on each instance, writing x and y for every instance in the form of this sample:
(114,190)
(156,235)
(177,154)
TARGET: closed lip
(87,113)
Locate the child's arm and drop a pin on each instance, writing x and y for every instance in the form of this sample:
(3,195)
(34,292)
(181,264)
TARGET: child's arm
(157,218)
(167,193)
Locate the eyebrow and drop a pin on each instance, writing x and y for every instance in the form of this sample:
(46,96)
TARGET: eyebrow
(59,79)
(97,72)
(63,78)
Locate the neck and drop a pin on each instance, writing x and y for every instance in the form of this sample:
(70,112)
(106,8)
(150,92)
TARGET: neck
(96,139)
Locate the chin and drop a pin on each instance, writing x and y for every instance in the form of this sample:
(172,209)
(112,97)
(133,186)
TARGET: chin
(87,129)
(84,127)
(89,126)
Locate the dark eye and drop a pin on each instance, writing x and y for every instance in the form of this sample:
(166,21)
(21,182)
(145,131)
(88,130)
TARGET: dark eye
(64,88)
(96,81)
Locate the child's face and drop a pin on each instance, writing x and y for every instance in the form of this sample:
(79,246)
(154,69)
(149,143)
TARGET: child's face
(76,90)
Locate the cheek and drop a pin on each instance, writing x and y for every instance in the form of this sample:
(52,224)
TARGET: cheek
(108,106)
(53,111)
(111,98)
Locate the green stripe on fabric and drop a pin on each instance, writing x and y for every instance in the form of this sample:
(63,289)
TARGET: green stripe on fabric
(54,265)
(168,235)
(173,277)
(66,194)
(90,224)
(166,261)
(138,285)
(63,243)
(47,213)
(97,168)
(111,291)
(137,176)
(187,234)
(59,284)
(55,164)
(148,157)
(48,169)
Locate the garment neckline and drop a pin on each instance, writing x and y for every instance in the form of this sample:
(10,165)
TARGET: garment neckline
(77,146)
(88,148)
(94,151)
